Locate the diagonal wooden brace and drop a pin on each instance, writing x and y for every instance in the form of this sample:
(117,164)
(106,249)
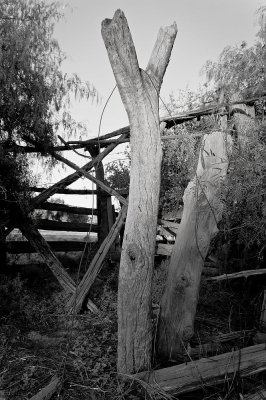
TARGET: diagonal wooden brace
(83,288)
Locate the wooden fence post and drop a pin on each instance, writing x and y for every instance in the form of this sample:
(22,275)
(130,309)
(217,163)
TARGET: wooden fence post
(202,212)
(101,198)
(139,91)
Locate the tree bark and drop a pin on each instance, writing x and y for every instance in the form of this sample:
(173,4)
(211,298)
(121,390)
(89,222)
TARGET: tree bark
(202,212)
(139,91)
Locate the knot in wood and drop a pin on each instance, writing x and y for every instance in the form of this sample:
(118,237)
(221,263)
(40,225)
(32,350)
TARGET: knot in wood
(188,333)
(134,254)
(182,283)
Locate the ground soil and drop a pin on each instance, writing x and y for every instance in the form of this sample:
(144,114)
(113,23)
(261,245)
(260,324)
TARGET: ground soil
(38,340)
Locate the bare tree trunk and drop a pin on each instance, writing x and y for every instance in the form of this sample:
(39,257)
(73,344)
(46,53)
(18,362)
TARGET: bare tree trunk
(202,212)
(139,91)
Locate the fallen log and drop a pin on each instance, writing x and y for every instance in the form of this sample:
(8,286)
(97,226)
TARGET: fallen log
(241,274)
(198,374)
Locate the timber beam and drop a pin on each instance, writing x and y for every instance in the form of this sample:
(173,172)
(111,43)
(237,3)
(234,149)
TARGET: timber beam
(170,121)
(196,375)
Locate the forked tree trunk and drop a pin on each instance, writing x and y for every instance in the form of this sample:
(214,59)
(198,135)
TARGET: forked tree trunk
(202,212)
(139,91)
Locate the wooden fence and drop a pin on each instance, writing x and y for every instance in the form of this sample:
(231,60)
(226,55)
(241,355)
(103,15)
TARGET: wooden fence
(108,226)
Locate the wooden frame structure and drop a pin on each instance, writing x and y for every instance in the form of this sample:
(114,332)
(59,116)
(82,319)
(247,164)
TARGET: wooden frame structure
(107,143)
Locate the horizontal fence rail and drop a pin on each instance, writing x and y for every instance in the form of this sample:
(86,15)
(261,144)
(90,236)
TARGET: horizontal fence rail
(67,209)
(47,224)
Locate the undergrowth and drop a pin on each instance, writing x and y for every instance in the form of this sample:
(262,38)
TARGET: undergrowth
(39,341)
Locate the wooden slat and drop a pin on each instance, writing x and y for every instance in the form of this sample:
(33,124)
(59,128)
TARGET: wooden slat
(95,265)
(66,191)
(164,249)
(82,171)
(63,183)
(175,119)
(198,374)
(40,245)
(78,191)
(67,209)
(170,121)
(168,233)
(169,224)
(47,224)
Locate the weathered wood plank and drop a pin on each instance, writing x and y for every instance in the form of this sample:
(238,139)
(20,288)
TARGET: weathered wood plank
(79,191)
(38,242)
(176,119)
(67,209)
(63,183)
(83,171)
(66,191)
(169,224)
(47,224)
(195,375)
(95,266)
(202,212)
(164,249)
(168,233)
